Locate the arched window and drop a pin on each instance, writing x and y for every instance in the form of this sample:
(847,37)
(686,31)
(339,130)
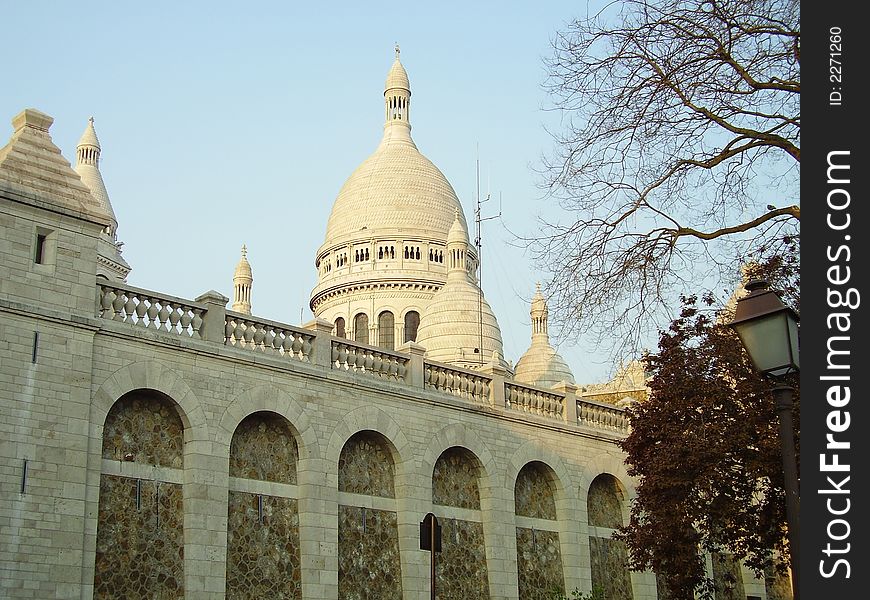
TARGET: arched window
(604,503)
(412,323)
(339,327)
(386,330)
(361,328)
(368,538)
(539,557)
(261,517)
(460,571)
(140,528)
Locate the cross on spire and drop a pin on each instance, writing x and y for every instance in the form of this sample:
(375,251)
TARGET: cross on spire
(397,51)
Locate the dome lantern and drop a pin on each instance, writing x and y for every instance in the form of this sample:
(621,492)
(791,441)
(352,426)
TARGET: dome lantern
(397,95)
(243,280)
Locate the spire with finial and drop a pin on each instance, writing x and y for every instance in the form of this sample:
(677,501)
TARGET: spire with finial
(397,94)
(111,264)
(88,149)
(243,280)
(539,314)
(457,250)
(88,167)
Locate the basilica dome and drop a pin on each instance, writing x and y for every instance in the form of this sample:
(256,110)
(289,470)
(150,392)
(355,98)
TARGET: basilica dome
(383,255)
(395,189)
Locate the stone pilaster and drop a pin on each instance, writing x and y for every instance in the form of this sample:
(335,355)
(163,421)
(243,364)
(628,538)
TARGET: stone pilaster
(321,350)
(215,318)
(414,376)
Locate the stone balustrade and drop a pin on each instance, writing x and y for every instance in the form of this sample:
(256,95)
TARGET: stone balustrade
(260,335)
(361,358)
(534,401)
(601,416)
(463,383)
(207,319)
(143,308)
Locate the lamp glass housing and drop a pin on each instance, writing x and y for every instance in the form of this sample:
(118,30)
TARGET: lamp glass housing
(772,342)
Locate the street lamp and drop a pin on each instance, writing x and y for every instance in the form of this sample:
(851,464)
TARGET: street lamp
(769,331)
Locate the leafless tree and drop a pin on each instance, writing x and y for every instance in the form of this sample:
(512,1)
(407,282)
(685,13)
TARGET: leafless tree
(678,157)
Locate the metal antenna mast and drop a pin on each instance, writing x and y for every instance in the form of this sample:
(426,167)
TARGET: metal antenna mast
(478,243)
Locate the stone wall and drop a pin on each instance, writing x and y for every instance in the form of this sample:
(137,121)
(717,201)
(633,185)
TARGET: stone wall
(366,467)
(777,585)
(140,538)
(144,427)
(263,548)
(604,502)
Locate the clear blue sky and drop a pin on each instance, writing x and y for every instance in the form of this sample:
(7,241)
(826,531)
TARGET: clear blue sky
(229,123)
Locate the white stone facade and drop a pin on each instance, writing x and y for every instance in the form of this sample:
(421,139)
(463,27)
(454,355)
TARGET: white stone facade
(72,345)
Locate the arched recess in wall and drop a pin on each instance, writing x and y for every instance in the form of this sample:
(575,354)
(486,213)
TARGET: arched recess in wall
(605,502)
(412,324)
(361,328)
(460,571)
(387,330)
(140,537)
(263,554)
(369,565)
(539,557)
(339,327)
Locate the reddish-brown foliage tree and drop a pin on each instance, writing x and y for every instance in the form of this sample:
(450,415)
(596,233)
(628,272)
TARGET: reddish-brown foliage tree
(705,448)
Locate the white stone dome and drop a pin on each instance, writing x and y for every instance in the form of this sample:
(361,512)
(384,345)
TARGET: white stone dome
(394,189)
(458,326)
(541,365)
(450,330)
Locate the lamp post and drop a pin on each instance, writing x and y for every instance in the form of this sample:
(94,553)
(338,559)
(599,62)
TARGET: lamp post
(769,331)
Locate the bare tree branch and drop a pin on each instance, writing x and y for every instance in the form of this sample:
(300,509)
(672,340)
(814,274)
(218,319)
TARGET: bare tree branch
(679,157)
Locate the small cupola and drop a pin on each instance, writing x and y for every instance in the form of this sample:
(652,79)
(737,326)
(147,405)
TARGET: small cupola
(243,280)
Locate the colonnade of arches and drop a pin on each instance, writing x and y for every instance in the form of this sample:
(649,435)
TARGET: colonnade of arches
(140,542)
(386,334)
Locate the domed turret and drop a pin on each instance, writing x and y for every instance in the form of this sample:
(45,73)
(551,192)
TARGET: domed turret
(243,280)
(110,263)
(384,252)
(541,365)
(397,78)
(458,326)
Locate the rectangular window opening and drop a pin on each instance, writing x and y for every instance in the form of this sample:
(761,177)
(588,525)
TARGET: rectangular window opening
(40,248)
